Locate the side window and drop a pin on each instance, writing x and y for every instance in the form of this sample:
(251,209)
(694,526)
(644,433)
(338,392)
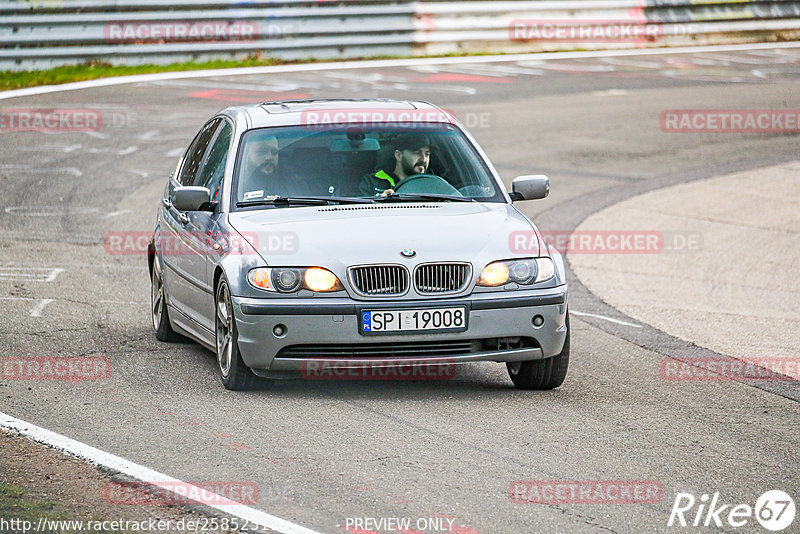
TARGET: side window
(194,156)
(213,169)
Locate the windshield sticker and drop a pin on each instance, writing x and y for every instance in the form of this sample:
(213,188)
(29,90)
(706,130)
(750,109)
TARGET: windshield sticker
(254,194)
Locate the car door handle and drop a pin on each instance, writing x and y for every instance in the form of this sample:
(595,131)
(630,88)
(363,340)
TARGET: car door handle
(182,217)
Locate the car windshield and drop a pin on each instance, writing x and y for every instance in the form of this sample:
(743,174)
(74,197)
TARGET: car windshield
(388,163)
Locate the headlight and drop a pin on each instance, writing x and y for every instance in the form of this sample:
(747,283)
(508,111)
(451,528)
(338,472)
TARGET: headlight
(318,279)
(291,279)
(494,274)
(523,272)
(286,280)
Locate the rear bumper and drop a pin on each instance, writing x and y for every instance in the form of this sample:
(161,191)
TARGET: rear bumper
(331,327)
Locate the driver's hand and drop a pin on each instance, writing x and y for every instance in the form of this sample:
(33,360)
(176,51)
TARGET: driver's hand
(387,192)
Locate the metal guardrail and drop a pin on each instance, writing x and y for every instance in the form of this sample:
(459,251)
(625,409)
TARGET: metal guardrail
(43,33)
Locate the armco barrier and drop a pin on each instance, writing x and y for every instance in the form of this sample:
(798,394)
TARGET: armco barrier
(38,34)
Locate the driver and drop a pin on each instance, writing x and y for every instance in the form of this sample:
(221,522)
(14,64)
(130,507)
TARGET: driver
(412,155)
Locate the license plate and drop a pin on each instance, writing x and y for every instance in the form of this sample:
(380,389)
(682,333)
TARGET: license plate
(414,320)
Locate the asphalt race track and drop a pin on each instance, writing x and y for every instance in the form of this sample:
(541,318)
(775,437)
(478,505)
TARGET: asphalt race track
(325,452)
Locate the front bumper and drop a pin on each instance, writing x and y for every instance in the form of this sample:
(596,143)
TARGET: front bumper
(335,322)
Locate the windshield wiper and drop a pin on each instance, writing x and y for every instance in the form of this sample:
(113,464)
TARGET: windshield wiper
(303,201)
(340,200)
(395,197)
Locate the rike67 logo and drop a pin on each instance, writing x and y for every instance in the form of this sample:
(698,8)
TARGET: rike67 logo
(774,510)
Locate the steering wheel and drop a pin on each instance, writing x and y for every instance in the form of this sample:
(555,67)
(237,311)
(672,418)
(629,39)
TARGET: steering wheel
(426,184)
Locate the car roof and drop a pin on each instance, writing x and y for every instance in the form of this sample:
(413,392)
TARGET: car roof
(339,111)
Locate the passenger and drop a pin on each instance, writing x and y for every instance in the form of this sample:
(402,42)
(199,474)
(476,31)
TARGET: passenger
(263,175)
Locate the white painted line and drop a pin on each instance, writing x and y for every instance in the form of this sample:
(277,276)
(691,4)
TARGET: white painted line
(115,213)
(42,236)
(39,308)
(778,58)
(734,59)
(610,92)
(640,64)
(48,211)
(117,151)
(58,148)
(31,169)
(385,63)
(603,317)
(29,274)
(36,311)
(139,472)
(53,274)
(95,265)
(219,84)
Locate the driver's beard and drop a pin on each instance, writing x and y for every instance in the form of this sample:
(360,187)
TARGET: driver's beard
(408,168)
(267,168)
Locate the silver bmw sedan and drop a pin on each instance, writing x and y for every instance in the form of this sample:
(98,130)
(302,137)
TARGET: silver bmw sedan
(354,238)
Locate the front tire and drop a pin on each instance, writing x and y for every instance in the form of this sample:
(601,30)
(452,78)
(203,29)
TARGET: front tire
(542,374)
(235,375)
(158,305)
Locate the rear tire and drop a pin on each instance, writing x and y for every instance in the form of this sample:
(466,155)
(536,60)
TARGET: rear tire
(542,374)
(233,372)
(158,305)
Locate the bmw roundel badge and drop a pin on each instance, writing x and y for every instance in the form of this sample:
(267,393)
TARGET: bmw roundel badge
(408,253)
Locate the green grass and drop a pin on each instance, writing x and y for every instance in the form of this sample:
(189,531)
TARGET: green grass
(16,505)
(91,71)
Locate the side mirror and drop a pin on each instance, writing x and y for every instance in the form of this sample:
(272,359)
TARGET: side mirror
(530,187)
(191,198)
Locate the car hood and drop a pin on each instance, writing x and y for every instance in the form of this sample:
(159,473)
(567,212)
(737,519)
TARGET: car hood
(340,236)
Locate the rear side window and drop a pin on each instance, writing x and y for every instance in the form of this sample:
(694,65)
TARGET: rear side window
(213,169)
(194,156)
